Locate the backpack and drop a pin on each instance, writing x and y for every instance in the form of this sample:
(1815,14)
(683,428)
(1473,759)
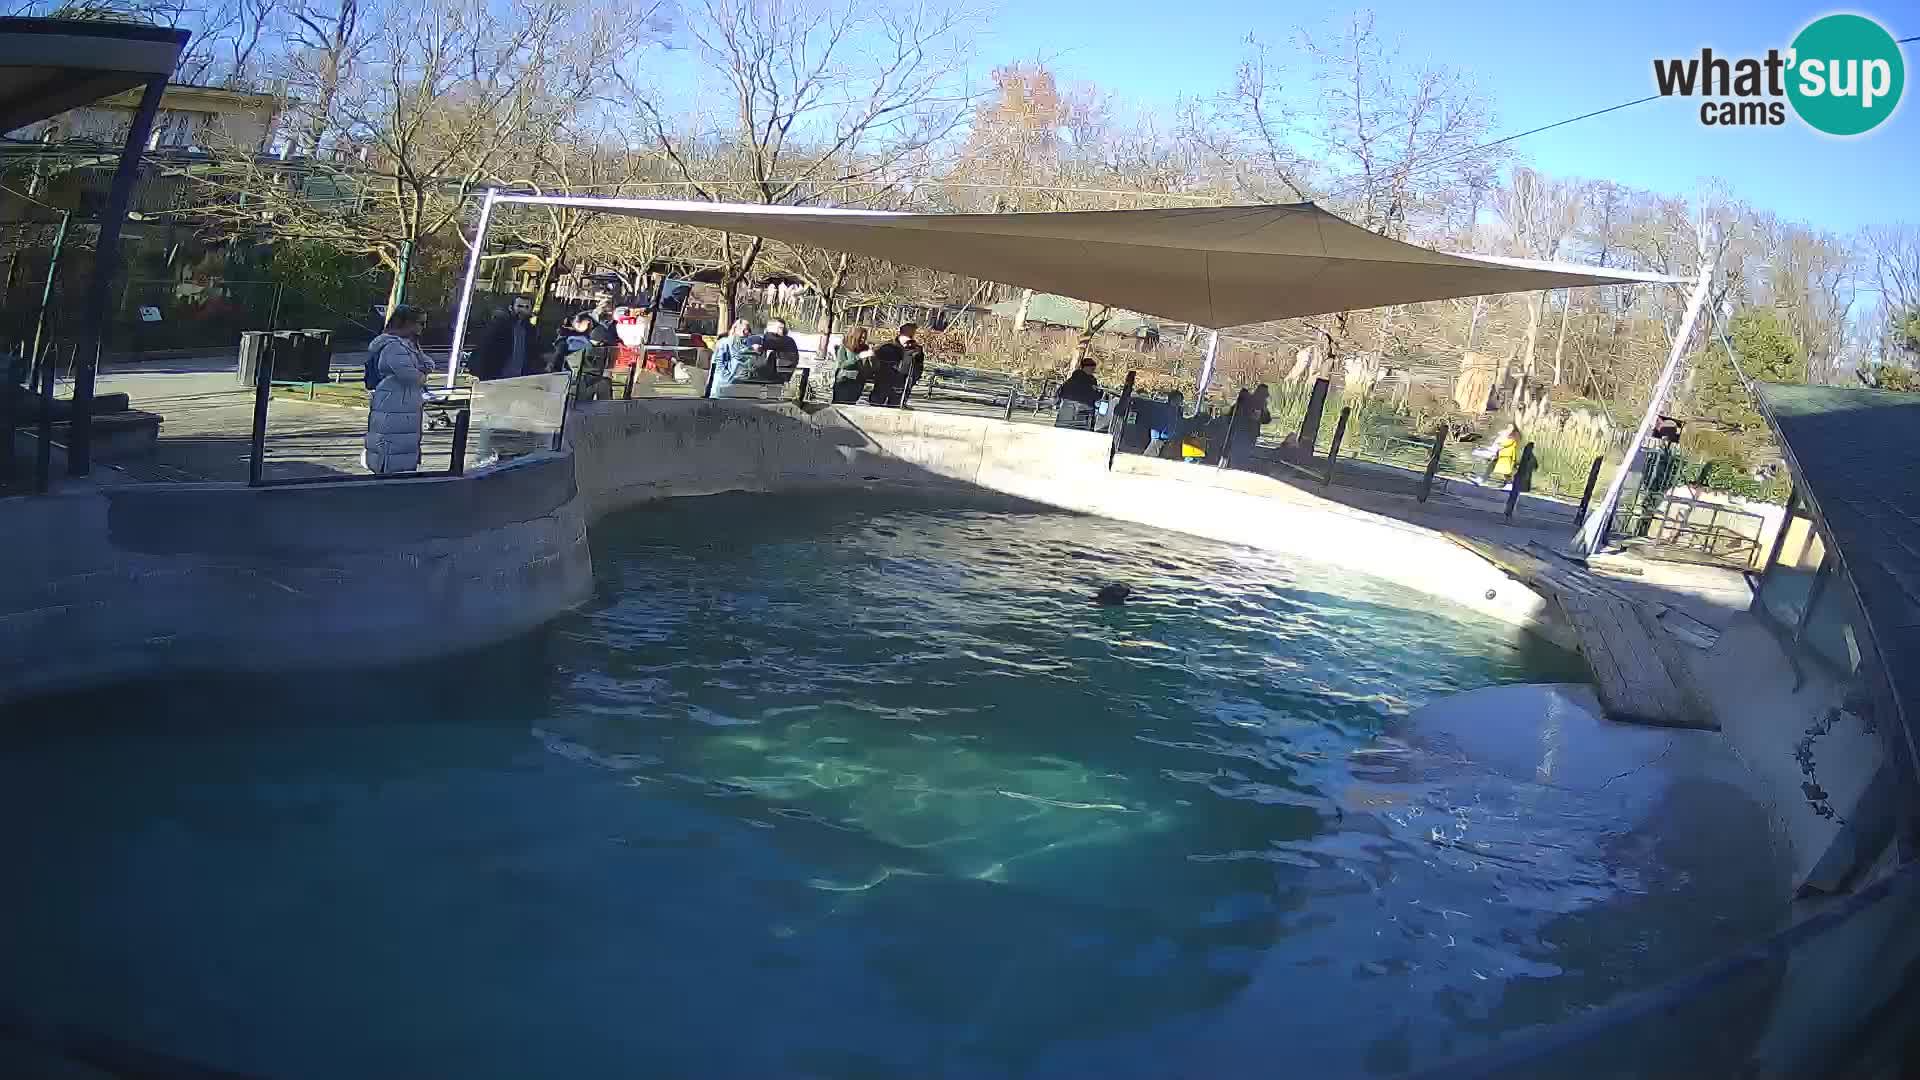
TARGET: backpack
(373,375)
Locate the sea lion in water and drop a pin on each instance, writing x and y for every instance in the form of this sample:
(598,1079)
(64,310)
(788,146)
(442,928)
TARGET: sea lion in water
(1113,592)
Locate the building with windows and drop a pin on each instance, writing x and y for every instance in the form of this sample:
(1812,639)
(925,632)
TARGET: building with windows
(1841,585)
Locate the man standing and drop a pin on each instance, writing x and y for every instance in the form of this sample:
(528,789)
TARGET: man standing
(1081,386)
(506,348)
(1074,402)
(898,365)
(781,348)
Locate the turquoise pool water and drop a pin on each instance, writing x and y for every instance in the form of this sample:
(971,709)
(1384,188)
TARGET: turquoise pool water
(851,787)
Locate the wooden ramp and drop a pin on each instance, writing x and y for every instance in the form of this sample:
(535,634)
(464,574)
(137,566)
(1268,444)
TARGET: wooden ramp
(1638,667)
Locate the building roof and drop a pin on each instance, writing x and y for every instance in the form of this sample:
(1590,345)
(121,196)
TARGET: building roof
(1062,311)
(1216,266)
(1853,455)
(48,66)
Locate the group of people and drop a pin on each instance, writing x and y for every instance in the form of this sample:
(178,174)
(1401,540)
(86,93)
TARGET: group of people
(508,347)
(886,373)
(743,356)
(397,370)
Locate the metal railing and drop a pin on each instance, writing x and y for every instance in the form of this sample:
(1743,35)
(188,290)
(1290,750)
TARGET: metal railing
(263,385)
(1804,1002)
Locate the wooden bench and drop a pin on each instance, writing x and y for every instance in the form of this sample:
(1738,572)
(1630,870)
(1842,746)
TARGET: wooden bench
(990,387)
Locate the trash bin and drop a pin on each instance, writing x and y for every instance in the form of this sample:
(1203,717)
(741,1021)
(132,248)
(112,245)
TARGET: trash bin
(318,355)
(255,346)
(286,355)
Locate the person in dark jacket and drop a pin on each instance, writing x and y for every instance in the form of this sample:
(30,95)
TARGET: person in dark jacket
(1165,436)
(597,332)
(1081,386)
(507,348)
(781,348)
(898,365)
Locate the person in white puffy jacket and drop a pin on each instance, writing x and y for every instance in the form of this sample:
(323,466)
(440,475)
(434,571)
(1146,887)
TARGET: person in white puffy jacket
(393,416)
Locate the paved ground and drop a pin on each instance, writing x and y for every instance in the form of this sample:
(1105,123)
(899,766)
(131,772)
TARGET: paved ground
(208,420)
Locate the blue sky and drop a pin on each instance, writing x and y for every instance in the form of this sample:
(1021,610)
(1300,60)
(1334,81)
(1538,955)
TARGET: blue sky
(1539,63)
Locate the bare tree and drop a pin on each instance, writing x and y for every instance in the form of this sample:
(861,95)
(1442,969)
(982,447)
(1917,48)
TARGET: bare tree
(823,98)
(632,248)
(1540,216)
(1398,138)
(400,140)
(1891,254)
(1251,129)
(231,43)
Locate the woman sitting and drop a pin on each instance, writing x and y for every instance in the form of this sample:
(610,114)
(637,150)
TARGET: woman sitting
(852,367)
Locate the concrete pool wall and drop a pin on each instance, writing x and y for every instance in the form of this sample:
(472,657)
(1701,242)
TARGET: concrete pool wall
(630,452)
(105,584)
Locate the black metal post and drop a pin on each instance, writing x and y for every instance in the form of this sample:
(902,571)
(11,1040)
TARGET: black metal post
(43,454)
(1433,463)
(1117,426)
(801,393)
(1333,452)
(262,393)
(458,464)
(1522,478)
(1586,497)
(1013,391)
(46,291)
(707,390)
(906,391)
(633,372)
(1310,420)
(1220,459)
(106,263)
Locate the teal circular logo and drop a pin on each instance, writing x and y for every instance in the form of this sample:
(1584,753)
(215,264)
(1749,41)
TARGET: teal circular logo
(1846,74)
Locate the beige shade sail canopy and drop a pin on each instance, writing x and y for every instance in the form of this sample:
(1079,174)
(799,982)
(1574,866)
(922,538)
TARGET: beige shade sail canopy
(1216,266)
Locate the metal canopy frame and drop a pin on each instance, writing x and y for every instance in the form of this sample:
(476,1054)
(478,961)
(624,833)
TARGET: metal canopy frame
(1593,531)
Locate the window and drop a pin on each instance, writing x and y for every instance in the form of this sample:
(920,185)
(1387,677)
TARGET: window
(1835,631)
(1784,590)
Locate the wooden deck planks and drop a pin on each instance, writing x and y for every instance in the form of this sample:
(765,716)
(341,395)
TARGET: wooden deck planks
(1639,670)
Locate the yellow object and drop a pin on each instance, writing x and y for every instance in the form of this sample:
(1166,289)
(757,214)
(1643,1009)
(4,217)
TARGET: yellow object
(1188,450)
(1505,456)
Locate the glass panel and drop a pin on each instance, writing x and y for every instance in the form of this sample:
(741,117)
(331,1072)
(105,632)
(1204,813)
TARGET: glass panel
(1835,631)
(1784,590)
(512,417)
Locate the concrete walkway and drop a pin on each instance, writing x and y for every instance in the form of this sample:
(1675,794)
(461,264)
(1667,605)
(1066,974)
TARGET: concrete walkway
(207,425)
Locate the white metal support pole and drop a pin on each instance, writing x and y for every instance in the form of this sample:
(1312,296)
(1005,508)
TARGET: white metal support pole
(466,290)
(1206,367)
(1594,529)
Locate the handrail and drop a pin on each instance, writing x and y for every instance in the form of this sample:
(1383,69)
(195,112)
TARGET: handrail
(1544,1053)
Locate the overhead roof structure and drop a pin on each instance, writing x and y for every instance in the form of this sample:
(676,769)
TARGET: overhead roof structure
(1216,266)
(48,66)
(1850,450)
